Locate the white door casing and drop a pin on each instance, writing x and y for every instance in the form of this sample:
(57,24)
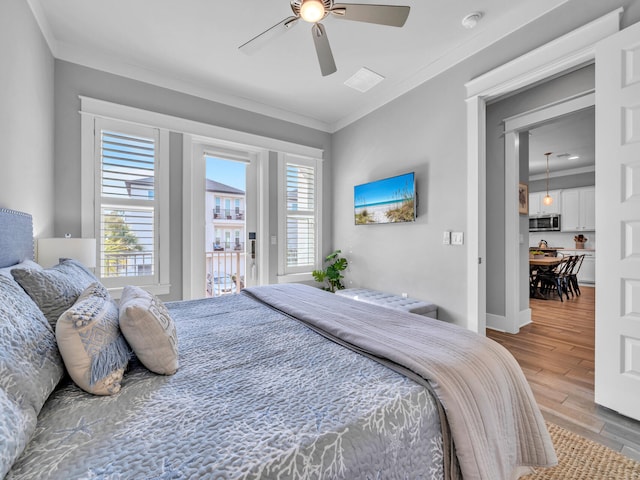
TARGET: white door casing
(617,366)
(256,210)
(570,51)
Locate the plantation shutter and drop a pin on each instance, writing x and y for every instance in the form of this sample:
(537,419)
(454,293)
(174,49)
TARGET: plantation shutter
(301,221)
(128,213)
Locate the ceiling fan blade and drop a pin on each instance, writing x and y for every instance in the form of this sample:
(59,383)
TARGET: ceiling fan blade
(392,15)
(259,41)
(323,49)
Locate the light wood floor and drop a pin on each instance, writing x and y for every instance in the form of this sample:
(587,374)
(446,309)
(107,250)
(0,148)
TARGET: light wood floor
(556,353)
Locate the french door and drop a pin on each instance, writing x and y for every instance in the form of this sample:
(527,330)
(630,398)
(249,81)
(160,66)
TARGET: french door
(223,190)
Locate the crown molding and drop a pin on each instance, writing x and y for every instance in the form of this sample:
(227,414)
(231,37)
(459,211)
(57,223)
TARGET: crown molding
(43,24)
(384,95)
(460,53)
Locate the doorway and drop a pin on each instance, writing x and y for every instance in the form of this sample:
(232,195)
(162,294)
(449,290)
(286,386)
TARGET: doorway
(223,248)
(617,366)
(563,130)
(225,220)
(563,55)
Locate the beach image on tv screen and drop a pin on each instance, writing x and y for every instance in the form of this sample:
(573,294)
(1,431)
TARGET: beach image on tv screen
(389,200)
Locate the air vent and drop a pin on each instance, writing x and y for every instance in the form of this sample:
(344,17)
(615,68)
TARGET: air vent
(363,80)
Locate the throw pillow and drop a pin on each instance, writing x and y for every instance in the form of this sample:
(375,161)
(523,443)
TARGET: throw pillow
(55,289)
(6,271)
(148,327)
(91,344)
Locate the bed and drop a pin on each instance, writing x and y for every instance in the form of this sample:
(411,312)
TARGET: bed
(279,382)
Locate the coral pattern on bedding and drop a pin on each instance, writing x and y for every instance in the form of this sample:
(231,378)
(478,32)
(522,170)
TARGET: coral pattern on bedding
(30,368)
(257,396)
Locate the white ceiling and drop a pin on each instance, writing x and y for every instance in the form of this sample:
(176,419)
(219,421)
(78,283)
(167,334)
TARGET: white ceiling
(573,135)
(192,46)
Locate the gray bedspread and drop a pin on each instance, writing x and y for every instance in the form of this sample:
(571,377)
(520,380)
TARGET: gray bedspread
(257,395)
(495,423)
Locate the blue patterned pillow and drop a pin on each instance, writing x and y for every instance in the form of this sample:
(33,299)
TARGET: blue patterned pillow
(30,368)
(91,344)
(55,289)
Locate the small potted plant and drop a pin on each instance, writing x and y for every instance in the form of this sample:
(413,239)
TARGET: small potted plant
(332,276)
(580,241)
(536,254)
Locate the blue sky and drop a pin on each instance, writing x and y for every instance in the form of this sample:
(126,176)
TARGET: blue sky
(227,171)
(383,190)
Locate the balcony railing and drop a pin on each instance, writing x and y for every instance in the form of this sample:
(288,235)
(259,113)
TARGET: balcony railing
(228,214)
(225,272)
(228,247)
(127,264)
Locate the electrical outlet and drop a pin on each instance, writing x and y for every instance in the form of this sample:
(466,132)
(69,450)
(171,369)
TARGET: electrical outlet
(457,238)
(446,238)
(404,295)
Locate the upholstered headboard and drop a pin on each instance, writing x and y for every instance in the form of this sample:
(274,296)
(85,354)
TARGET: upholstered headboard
(16,237)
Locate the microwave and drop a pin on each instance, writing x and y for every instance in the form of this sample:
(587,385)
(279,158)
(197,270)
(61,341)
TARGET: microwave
(544,223)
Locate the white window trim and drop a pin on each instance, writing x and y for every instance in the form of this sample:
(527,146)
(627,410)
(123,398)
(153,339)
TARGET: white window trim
(193,131)
(90,189)
(284,276)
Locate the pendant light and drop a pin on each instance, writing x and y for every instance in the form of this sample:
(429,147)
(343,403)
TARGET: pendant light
(547,200)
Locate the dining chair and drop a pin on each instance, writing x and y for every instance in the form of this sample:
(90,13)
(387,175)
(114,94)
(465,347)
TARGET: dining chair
(572,276)
(556,279)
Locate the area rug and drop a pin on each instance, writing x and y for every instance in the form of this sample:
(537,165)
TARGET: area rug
(582,459)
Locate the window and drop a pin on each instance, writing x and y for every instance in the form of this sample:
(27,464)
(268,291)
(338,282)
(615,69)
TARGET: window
(129,191)
(217,212)
(299,208)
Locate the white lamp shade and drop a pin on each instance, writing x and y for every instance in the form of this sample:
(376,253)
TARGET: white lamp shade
(51,250)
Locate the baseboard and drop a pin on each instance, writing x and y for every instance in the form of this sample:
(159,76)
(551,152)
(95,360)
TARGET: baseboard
(501,324)
(524,317)
(497,322)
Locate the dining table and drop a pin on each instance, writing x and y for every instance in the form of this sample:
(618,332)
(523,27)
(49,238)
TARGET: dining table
(537,266)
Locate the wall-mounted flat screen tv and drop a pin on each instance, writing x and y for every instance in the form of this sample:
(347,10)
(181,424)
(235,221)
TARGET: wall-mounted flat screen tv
(389,200)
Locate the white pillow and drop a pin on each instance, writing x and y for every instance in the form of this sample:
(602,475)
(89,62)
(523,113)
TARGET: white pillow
(148,327)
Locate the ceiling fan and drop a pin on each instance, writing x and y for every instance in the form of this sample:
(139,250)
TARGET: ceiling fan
(313,11)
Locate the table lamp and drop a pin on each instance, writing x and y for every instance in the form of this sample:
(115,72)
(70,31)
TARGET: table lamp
(51,250)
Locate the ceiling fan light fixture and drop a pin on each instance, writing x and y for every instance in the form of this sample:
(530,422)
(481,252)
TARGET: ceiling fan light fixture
(312,11)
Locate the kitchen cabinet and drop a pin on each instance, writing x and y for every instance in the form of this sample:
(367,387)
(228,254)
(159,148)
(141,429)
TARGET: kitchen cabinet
(536,207)
(578,209)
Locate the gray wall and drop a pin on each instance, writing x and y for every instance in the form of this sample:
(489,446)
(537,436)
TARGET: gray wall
(425,130)
(554,90)
(26,117)
(72,80)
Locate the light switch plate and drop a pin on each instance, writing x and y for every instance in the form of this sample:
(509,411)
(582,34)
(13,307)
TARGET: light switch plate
(457,238)
(446,238)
